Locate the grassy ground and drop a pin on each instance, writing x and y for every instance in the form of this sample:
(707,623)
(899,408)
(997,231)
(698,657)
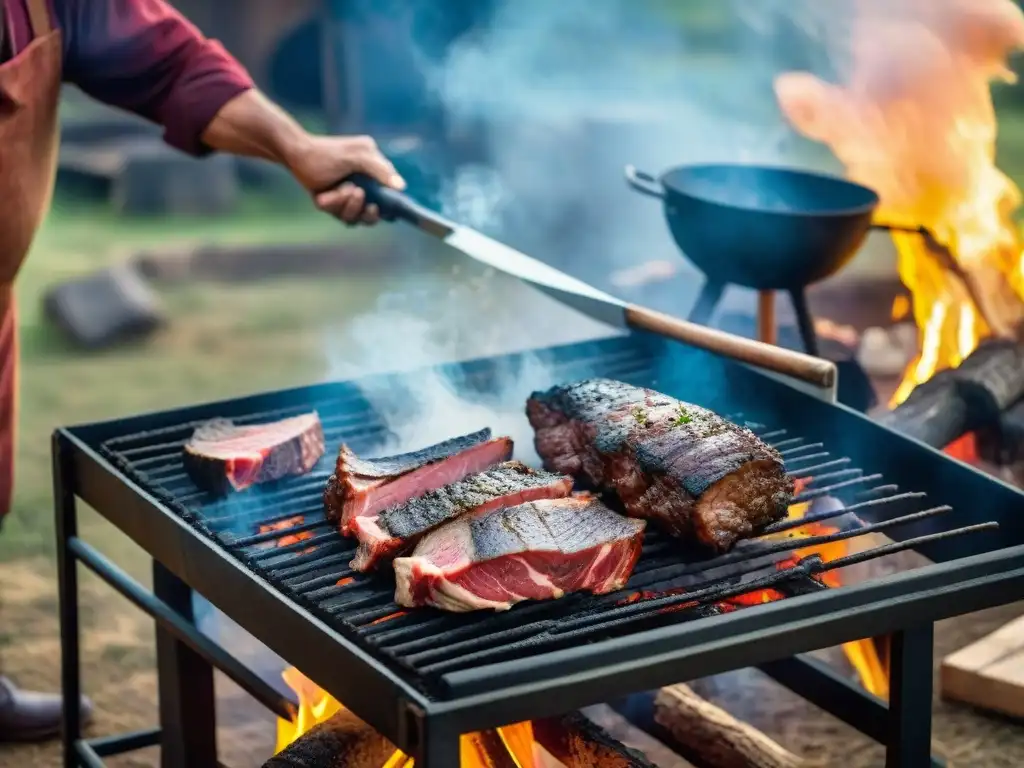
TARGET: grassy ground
(217,342)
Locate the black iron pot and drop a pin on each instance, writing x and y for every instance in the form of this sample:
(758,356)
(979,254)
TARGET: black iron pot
(762,227)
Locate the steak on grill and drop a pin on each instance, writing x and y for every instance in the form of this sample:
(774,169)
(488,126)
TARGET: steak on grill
(399,527)
(221,455)
(366,487)
(540,550)
(685,467)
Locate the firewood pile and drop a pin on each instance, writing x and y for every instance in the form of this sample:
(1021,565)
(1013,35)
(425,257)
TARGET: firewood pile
(694,733)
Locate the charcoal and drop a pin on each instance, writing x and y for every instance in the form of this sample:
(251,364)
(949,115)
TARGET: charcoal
(104,308)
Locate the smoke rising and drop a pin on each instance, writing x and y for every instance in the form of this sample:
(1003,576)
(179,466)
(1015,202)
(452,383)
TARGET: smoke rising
(568,93)
(564,95)
(465,313)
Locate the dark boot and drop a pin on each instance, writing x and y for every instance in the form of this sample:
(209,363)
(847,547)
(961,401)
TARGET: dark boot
(29,716)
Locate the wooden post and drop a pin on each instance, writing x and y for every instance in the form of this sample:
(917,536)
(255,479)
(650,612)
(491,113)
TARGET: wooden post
(766,331)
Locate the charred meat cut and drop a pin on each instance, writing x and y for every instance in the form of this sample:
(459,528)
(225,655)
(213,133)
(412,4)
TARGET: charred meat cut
(399,527)
(540,550)
(366,487)
(693,472)
(221,455)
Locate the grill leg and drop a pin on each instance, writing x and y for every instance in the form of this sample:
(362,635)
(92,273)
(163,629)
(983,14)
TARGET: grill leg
(910,698)
(804,321)
(187,705)
(66,520)
(707,301)
(436,746)
(438,753)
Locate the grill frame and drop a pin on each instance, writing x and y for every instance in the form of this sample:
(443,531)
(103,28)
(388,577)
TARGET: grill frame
(979,575)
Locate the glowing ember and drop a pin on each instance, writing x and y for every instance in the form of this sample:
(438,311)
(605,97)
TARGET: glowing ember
(478,750)
(964,448)
(755,598)
(915,121)
(901,308)
(389,617)
(291,538)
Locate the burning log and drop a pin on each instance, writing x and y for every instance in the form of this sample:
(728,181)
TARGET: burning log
(964,399)
(934,413)
(715,736)
(1002,444)
(342,741)
(578,742)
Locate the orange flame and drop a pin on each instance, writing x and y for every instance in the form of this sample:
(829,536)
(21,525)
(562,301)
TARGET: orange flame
(862,654)
(915,121)
(491,749)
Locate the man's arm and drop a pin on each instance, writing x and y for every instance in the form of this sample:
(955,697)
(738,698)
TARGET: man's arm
(252,125)
(145,57)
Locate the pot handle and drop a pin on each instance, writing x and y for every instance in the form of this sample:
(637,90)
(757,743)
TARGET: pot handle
(910,230)
(644,183)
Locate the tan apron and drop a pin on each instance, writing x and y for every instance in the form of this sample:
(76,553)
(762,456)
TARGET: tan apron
(29,94)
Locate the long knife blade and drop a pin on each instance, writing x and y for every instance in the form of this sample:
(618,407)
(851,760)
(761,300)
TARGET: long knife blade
(589,300)
(567,289)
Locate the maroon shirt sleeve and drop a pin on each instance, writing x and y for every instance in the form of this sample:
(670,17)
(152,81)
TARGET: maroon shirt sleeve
(145,57)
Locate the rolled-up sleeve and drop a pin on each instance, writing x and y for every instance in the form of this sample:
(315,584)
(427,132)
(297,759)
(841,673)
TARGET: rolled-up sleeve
(145,57)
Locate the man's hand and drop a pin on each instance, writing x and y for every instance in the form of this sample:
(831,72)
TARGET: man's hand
(326,160)
(252,125)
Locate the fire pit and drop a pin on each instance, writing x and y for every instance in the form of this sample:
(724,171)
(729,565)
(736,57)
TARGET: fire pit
(422,678)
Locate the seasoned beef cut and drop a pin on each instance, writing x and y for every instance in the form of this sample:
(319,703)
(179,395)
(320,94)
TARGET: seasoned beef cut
(693,472)
(535,551)
(361,487)
(399,527)
(221,455)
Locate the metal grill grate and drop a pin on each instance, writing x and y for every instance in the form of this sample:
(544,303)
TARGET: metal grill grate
(670,582)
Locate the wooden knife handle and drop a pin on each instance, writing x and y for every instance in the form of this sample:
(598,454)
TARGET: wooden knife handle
(812,370)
